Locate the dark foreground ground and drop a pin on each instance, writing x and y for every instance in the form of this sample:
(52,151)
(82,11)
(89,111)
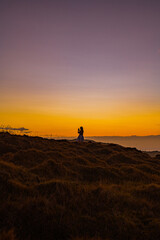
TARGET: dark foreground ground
(53,190)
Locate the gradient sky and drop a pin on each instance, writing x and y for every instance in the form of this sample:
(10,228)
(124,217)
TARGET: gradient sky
(67,63)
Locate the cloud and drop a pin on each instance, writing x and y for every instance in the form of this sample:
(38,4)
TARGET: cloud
(22,129)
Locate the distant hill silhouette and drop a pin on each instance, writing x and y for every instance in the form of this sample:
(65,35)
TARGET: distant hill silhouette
(59,189)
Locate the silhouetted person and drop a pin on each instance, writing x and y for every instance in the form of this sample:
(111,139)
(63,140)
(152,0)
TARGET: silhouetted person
(80,137)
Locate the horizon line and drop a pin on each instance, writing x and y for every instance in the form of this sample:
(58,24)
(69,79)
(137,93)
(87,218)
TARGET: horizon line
(158,135)
(75,136)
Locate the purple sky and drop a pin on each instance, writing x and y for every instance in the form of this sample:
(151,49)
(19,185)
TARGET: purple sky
(81,49)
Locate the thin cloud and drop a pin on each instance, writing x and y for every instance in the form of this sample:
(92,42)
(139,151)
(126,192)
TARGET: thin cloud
(21,129)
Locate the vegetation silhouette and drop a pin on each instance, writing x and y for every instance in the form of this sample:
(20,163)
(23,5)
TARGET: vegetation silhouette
(59,189)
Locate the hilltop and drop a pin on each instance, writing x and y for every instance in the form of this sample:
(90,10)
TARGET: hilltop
(59,189)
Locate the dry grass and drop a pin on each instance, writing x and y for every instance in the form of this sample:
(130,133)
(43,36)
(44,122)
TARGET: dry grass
(68,190)
(7,235)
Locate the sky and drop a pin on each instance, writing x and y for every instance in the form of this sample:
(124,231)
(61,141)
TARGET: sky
(91,63)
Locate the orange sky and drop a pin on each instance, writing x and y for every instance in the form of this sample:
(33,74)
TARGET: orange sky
(46,115)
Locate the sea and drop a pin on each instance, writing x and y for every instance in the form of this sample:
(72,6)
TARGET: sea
(143,143)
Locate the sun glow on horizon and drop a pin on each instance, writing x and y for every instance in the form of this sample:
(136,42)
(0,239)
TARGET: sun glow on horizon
(66,125)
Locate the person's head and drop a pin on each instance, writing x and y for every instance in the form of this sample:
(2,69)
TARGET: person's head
(81,128)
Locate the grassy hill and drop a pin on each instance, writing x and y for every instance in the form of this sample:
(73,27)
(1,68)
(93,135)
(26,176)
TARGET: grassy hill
(59,189)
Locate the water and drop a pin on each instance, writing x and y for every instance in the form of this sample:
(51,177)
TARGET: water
(144,143)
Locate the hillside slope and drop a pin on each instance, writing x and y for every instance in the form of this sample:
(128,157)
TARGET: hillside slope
(58,189)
